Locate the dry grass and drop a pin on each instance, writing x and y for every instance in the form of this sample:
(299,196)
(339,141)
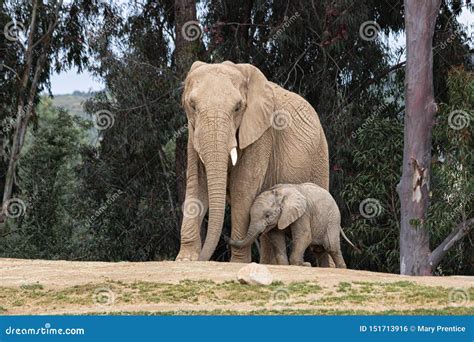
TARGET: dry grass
(230,297)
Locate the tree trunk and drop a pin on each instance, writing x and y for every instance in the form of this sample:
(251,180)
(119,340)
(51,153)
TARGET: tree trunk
(186,52)
(414,187)
(27,91)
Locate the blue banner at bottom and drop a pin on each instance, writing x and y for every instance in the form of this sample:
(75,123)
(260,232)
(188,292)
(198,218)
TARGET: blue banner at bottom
(237,328)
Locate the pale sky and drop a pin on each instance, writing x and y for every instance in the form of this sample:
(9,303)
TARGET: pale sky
(67,82)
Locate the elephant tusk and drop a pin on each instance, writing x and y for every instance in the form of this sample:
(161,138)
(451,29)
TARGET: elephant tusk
(233,156)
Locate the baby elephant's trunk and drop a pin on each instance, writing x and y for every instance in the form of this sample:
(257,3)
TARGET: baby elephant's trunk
(249,239)
(252,234)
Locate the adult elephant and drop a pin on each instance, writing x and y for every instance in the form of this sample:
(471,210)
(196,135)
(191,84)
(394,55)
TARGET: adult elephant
(245,134)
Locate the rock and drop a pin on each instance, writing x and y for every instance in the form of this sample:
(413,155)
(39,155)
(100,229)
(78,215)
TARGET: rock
(254,274)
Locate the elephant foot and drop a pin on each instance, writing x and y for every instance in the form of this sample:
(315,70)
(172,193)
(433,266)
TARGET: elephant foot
(187,254)
(242,260)
(325,260)
(241,255)
(306,264)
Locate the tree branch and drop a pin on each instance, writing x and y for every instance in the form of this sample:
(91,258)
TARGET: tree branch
(457,234)
(24,111)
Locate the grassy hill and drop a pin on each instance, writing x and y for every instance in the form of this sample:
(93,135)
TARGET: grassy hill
(73,103)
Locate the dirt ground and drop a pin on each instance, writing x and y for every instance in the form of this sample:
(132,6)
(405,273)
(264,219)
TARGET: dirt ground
(65,287)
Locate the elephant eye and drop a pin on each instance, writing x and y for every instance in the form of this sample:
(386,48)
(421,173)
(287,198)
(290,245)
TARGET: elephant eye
(192,104)
(238,106)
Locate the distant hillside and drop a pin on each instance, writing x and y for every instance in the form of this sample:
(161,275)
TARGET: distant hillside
(73,103)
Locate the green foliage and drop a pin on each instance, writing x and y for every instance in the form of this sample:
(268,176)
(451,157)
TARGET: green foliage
(52,151)
(452,200)
(377,157)
(128,179)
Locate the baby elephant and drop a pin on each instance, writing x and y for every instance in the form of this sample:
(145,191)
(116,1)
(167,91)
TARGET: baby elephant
(312,214)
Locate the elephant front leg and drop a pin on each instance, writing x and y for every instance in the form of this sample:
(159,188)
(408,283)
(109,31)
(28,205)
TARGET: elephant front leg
(301,236)
(267,253)
(278,241)
(194,209)
(190,236)
(240,220)
(246,181)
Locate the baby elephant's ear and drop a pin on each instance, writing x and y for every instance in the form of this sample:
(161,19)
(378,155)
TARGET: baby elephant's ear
(293,207)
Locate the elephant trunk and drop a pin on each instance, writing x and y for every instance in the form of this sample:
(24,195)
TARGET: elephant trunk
(215,156)
(249,238)
(247,241)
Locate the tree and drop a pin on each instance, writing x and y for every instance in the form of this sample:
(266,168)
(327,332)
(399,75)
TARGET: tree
(416,257)
(128,178)
(420,107)
(54,39)
(44,226)
(188,34)
(27,88)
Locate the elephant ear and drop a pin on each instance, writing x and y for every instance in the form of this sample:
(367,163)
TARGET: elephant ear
(195,65)
(256,118)
(293,207)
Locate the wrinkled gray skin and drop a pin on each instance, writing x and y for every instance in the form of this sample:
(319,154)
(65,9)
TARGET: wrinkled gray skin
(245,134)
(308,210)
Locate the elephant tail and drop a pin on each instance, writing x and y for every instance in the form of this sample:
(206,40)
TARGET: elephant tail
(349,241)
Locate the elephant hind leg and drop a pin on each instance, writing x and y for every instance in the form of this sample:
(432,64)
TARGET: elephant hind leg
(323,259)
(338,259)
